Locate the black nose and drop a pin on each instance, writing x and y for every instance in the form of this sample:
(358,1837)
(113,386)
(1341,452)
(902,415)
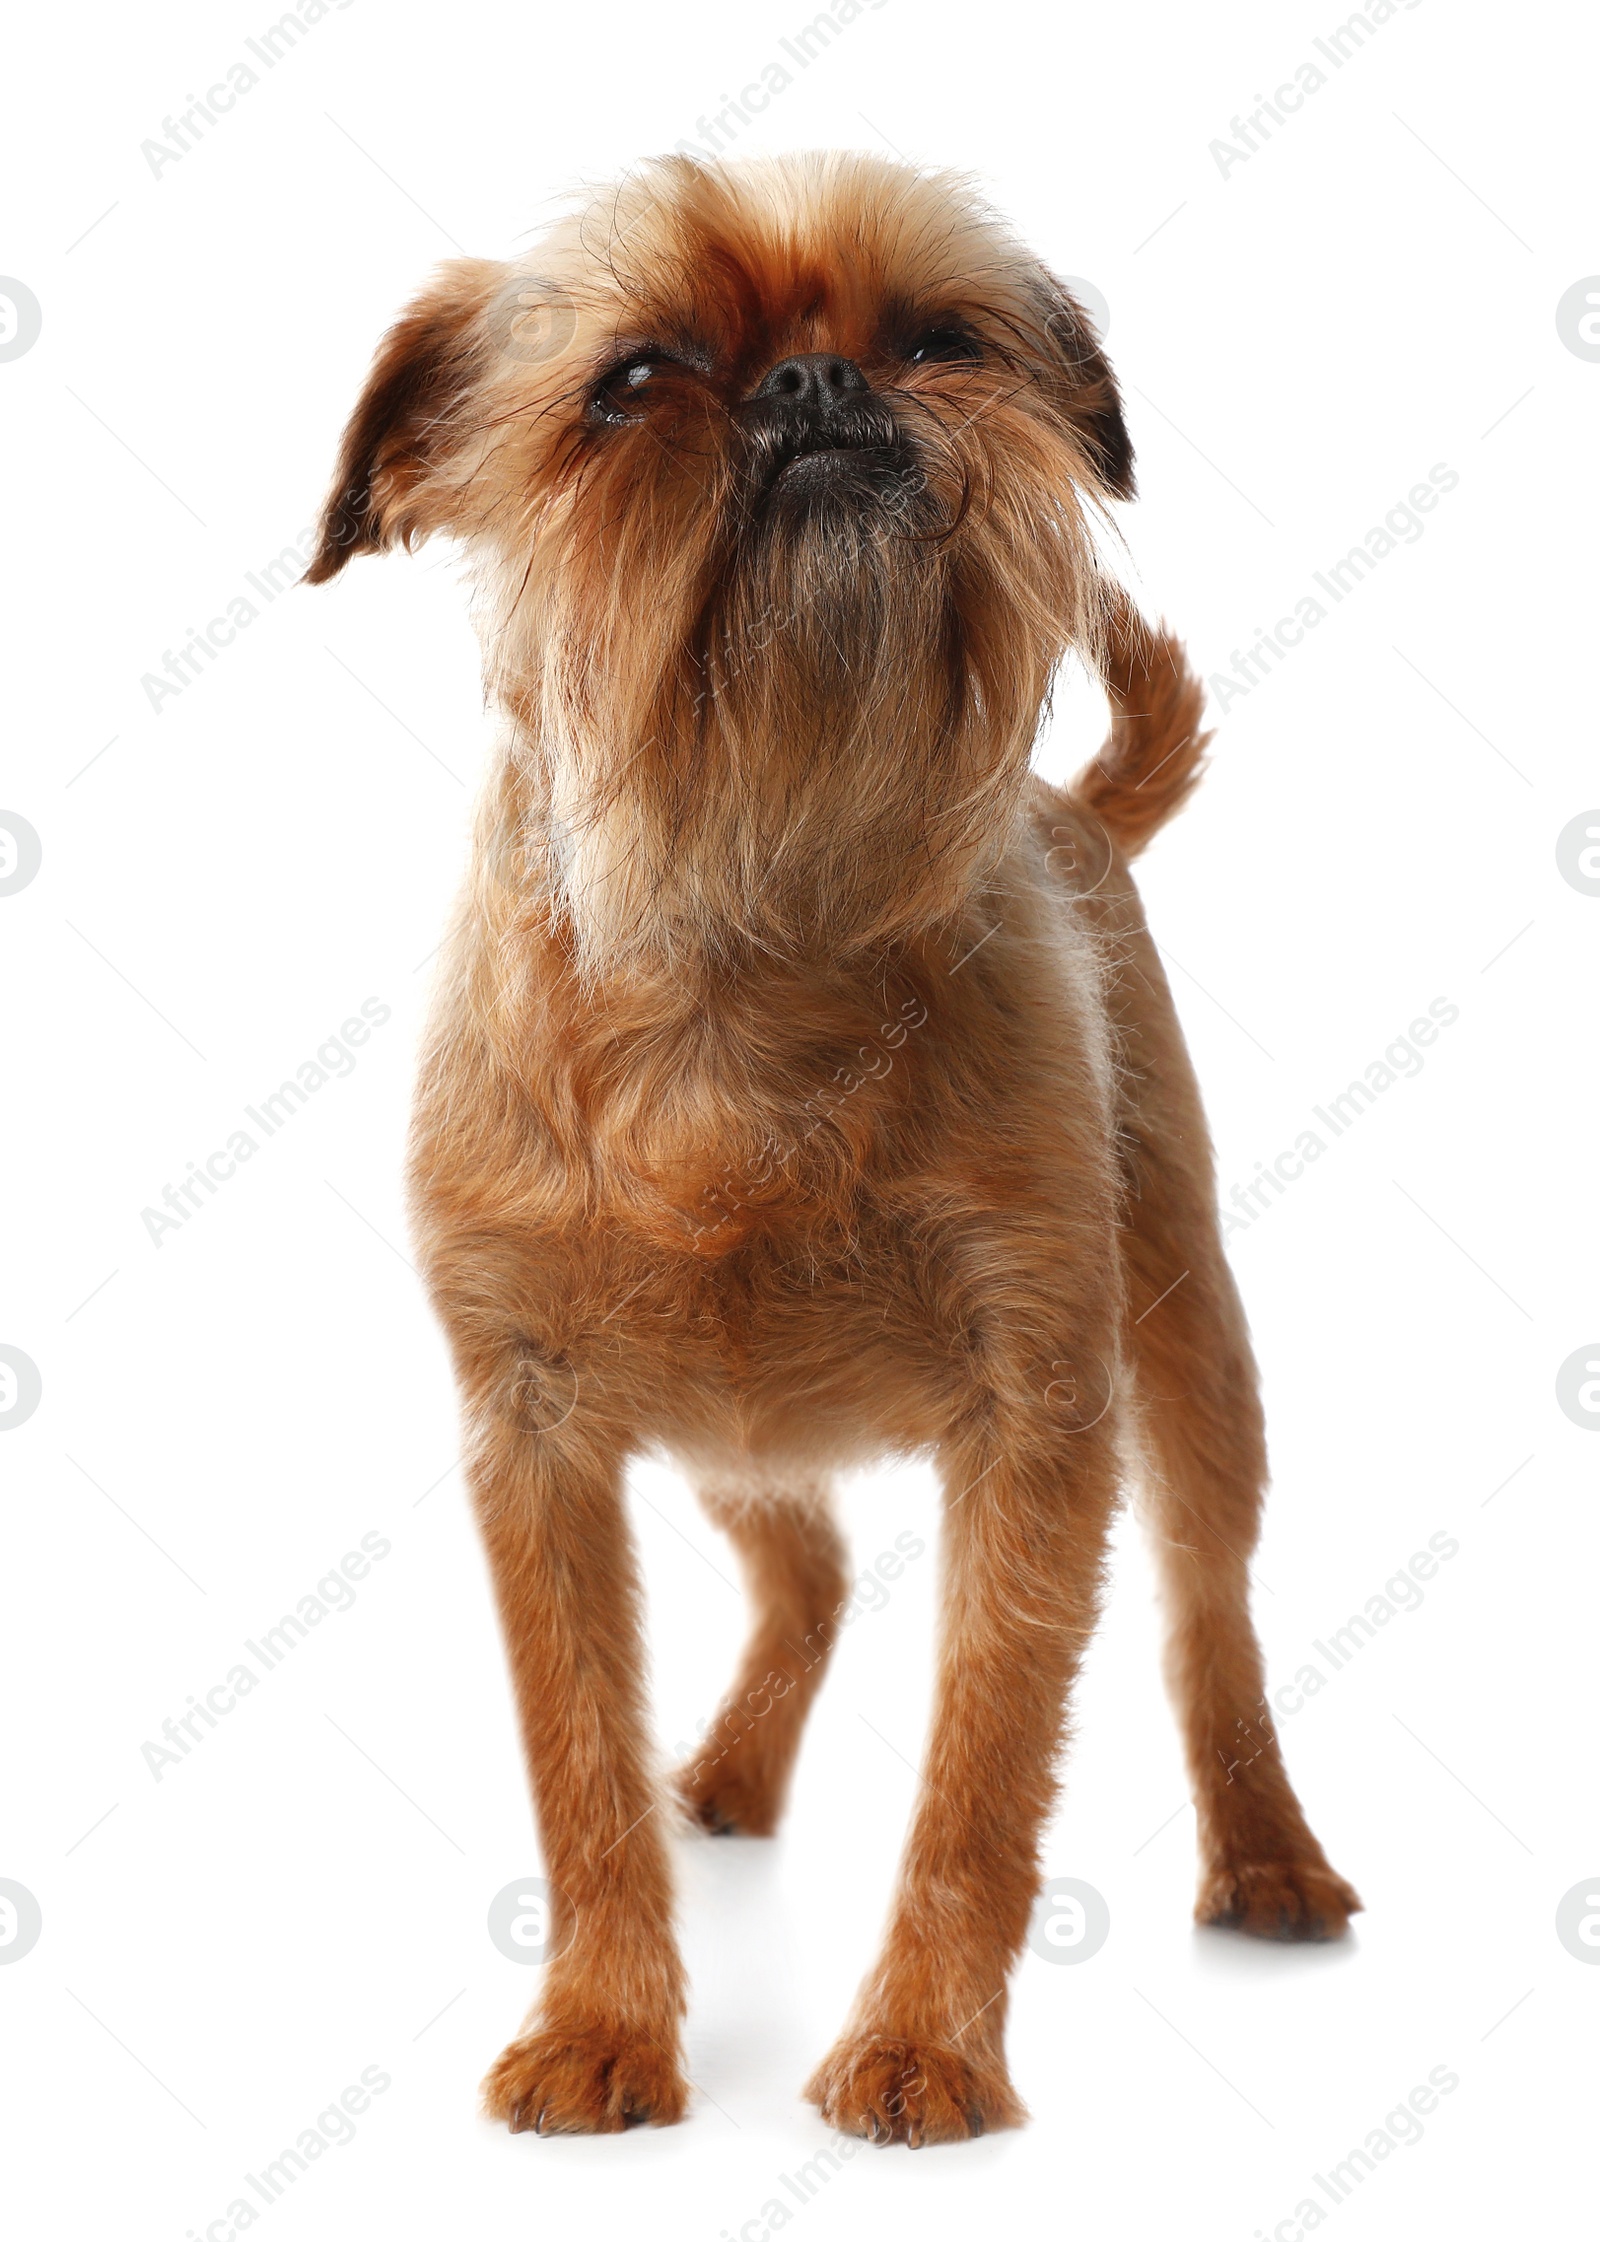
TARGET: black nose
(819,379)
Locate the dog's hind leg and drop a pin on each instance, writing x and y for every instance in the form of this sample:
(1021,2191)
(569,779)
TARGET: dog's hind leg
(794,1567)
(1200,1427)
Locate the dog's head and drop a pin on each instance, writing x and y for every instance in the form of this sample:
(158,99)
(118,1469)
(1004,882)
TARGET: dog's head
(778,479)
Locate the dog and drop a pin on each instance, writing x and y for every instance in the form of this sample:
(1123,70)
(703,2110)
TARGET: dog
(803,1086)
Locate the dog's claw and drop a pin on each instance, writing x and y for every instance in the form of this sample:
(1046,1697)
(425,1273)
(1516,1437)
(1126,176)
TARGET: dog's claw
(1292,1901)
(887,2088)
(593,2078)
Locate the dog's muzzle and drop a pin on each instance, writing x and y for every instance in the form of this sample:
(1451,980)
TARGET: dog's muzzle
(815,423)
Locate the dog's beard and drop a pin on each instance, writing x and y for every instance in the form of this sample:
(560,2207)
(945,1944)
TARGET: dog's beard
(806,734)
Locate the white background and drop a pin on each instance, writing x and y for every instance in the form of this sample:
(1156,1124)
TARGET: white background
(225,879)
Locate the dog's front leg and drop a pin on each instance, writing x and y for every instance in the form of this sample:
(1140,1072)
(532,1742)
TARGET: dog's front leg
(1026,1511)
(601,2050)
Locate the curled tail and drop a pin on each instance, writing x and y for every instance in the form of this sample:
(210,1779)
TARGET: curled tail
(1149,765)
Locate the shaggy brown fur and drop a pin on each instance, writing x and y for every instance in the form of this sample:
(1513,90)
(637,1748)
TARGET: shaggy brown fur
(804,1086)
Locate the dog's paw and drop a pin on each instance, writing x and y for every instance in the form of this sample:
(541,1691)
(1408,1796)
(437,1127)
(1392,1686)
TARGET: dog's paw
(594,2078)
(911,2090)
(1289,1899)
(729,1798)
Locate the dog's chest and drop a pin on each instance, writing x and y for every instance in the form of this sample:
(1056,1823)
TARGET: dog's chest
(762,1126)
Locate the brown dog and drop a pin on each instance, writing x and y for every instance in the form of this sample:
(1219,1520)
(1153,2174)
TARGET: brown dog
(804,1086)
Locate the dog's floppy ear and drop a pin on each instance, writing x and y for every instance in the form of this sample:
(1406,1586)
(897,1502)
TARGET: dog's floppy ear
(1090,396)
(410,415)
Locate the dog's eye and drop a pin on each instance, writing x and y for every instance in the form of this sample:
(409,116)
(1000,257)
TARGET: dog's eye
(945,346)
(619,396)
